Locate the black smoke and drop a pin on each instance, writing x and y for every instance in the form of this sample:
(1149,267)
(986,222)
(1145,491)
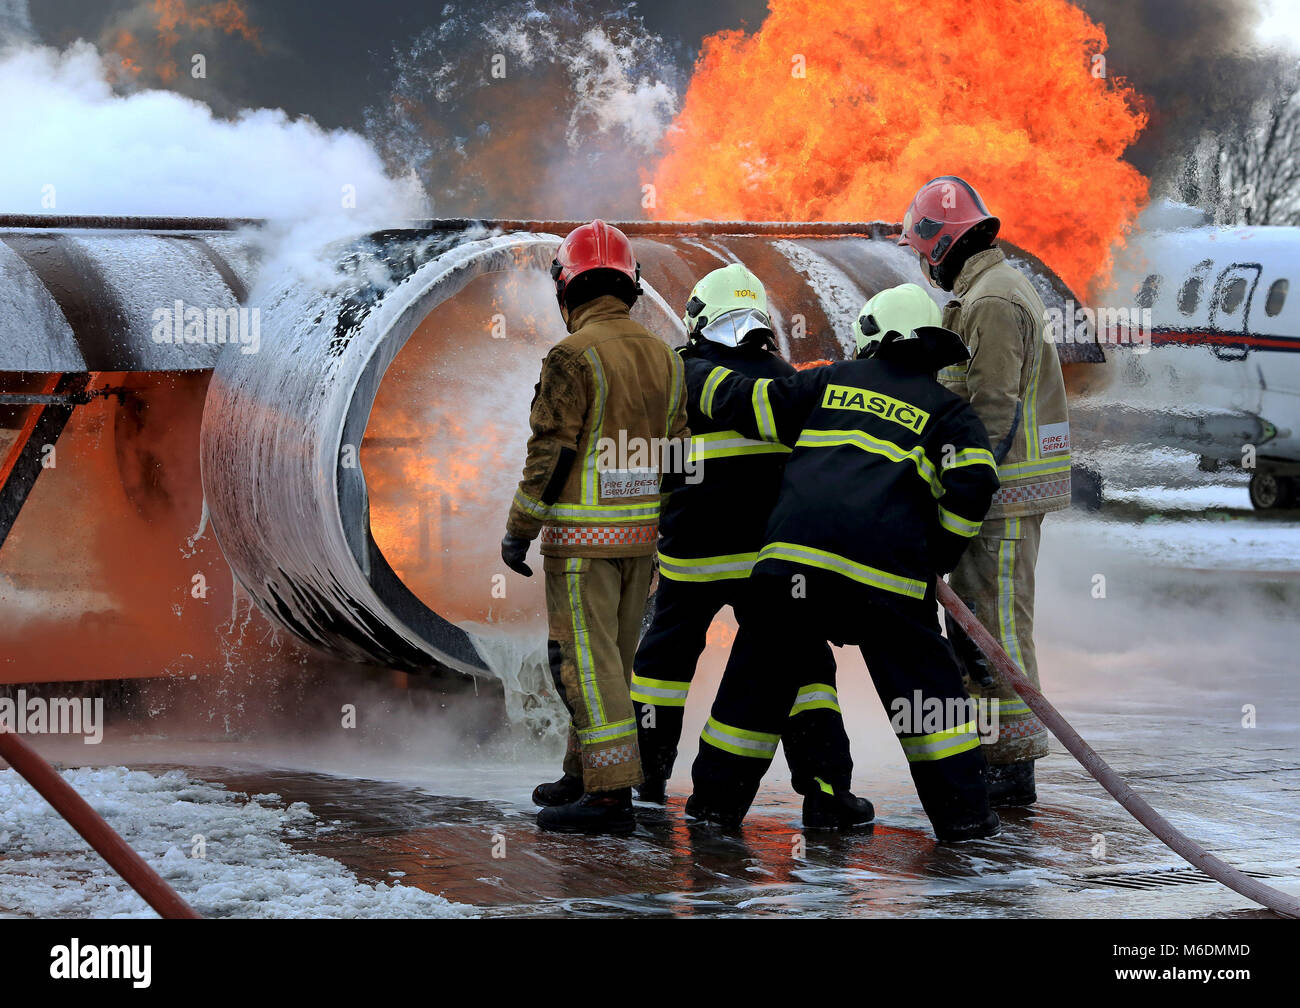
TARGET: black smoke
(1199,65)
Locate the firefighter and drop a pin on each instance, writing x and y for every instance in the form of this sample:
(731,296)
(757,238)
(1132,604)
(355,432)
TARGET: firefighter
(610,397)
(710,534)
(888,481)
(1013,380)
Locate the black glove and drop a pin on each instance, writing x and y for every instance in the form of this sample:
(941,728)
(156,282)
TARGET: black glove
(513,551)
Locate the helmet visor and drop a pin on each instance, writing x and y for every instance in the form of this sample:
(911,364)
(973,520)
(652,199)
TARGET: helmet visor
(734,327)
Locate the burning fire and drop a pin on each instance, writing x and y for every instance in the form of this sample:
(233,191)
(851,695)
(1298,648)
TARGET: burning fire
(840,114)
(171,18)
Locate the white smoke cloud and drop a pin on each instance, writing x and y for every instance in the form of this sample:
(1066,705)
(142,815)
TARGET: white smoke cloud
(75,146)
(15,23)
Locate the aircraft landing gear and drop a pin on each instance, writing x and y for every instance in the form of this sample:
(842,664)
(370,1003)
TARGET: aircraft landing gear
(1269,491)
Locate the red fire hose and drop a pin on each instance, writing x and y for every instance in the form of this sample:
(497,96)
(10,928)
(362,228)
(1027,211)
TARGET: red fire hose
(91,825)
(1182,845)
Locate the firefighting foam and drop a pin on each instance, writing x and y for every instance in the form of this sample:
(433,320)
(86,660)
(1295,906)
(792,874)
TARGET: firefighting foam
(817,117)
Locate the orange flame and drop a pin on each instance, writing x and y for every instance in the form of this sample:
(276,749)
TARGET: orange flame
(840,112)
(172,17)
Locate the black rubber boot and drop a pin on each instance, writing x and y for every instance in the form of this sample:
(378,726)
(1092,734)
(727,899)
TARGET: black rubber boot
(561,792)
(960,833)
(701,813)
(1011,784)
(653,790)
(594,812)
(840,810)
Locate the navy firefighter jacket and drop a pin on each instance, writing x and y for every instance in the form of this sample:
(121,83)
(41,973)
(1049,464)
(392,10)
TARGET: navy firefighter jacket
(712,526)
(890,476)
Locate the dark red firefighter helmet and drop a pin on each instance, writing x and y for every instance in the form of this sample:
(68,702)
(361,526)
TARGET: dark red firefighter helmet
(941,212)
(594,246)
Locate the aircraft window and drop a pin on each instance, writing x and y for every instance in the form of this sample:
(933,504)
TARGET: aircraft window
(1190,296)
(1276,297)
(1147,294)
(1233,294)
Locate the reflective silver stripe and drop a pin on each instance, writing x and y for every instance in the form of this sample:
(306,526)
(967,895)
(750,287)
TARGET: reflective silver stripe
(763,417)
(710,387)
(606,512)
(941,744)
(528,506)
(971,456)
(1042,467)
(727,444)
(707,568)
(590,477)
(851,569)
(679,378)
(817,696)
(738,741)
(607,733)
(1012,708)
(651,690)
(877,446)
(958,525)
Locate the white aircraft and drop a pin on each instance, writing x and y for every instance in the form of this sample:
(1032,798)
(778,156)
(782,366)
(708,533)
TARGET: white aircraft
(1204,334)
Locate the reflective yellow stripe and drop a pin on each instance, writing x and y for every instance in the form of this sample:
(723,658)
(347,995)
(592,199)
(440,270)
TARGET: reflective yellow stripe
(605,512)
(971,456)
(738,741)
(590,477)
(940,745)
(679,376)
(659,692)
(877,446)
(714,568)
(1006,599)
(815,696)
(991,706)
(763,410)
(1033,446)
(529,506)
(607,733)
(588,687)
(730,444)
(958,525)
(1042,467)
(851,569)
(710,387)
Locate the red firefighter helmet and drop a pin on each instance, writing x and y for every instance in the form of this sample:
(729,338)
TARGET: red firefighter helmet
(591,247)
(941,212)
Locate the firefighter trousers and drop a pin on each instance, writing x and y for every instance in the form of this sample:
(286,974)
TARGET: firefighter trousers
(915,675)
(816,745)
(995,579)
(594,609)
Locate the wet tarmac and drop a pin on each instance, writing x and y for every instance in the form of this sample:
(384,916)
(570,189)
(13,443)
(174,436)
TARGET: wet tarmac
(1075,854)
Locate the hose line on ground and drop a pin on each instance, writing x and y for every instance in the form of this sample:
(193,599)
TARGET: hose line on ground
(121,857)
(1182,845)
